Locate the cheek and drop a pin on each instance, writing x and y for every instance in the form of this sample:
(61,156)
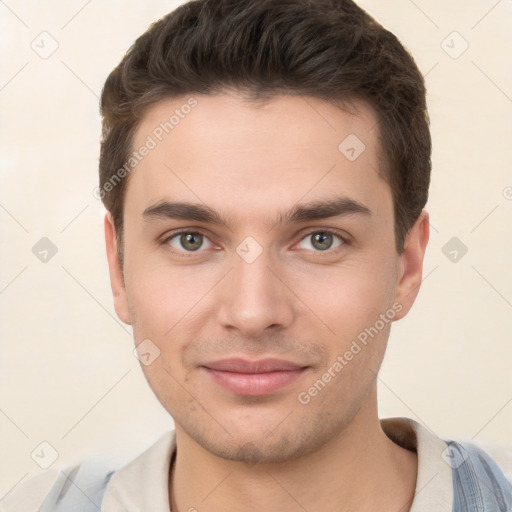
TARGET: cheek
(337,392)
(169,385)
(163,316)
(171,306)
(162,296)
(346,299)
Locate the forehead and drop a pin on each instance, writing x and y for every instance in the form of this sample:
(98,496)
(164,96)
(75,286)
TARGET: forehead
(244,159)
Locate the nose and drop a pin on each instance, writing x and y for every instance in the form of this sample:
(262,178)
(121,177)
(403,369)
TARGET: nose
(254,298)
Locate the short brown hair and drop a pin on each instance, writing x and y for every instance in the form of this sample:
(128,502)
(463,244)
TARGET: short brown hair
(328,49)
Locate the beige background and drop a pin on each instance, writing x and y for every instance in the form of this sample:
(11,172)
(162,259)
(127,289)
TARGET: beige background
(68,376)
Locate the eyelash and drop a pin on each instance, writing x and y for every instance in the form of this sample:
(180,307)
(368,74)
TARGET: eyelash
(187,254)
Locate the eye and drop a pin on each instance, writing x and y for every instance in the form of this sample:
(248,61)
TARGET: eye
(188,241)
(321,241)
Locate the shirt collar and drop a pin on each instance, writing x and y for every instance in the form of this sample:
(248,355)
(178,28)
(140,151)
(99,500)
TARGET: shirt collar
(143,483)
(434,487)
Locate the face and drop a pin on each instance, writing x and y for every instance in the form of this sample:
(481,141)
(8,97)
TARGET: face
(260,271)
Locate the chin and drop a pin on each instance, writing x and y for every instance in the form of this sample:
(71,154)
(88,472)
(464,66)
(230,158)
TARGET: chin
(252,442)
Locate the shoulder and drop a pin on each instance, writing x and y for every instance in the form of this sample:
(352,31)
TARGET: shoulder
(480,479)
(84,487)
(502,455)
(78,487)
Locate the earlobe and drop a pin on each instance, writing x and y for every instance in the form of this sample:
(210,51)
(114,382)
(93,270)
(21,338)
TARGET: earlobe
(411,264)
(116,271)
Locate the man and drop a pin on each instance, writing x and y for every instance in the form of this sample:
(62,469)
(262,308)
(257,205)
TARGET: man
(265,167)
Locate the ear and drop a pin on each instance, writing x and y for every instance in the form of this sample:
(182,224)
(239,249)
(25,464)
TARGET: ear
(411,264)
(116,271)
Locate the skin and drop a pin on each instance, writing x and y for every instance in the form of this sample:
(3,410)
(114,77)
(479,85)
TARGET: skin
(294,301)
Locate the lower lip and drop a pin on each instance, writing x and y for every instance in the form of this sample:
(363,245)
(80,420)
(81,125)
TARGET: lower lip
(254,384)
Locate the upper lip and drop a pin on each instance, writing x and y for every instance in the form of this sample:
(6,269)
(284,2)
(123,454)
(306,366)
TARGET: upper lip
(244,366)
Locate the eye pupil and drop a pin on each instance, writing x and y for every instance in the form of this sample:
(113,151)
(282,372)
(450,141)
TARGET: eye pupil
(322,241)
(191,241)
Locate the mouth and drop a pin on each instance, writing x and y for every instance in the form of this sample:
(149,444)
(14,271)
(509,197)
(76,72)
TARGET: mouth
(253,378)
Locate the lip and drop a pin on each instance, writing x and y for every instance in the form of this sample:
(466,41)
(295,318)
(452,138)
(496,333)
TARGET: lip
(253,378)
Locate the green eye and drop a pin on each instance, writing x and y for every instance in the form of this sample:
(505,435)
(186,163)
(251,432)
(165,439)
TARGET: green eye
(322,241)
(188,241)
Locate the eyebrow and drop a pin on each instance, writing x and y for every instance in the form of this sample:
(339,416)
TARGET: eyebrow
(315,210)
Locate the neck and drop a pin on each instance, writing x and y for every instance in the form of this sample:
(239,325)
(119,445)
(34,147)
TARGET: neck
(358,469)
